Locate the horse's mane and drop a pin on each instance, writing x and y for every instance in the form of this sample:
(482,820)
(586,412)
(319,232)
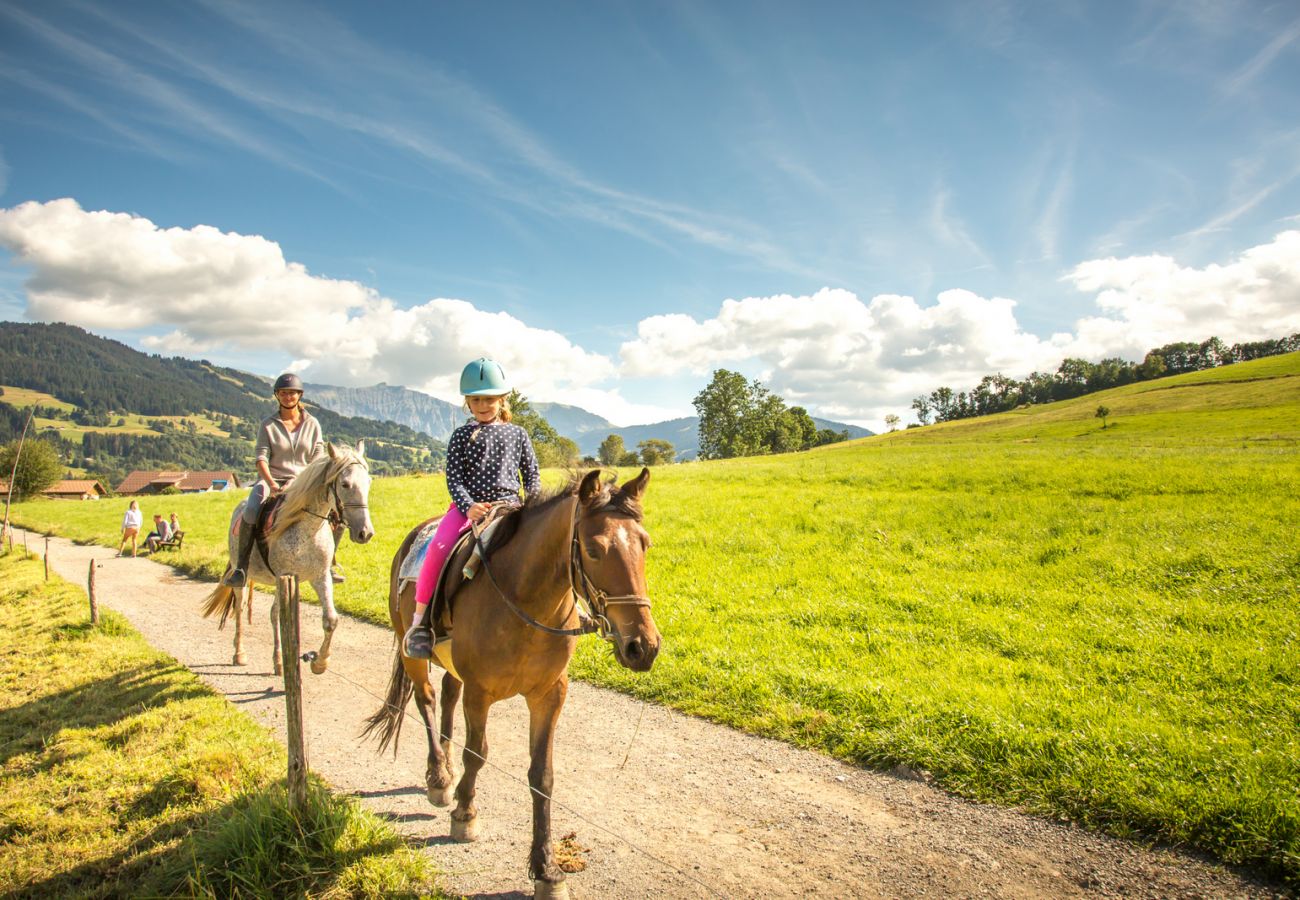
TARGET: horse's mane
(611,497)
(308,485)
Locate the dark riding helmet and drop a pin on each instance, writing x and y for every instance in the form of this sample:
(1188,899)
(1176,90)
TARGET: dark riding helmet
(288,382)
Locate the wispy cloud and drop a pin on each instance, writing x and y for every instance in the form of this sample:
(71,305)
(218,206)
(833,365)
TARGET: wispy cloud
(556,187)
(175,106)
(949,228)
(1240,79)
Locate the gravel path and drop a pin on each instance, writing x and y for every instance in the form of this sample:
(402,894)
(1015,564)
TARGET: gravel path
(696,810)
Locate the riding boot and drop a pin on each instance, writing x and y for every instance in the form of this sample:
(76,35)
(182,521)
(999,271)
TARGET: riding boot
(418,642)
(239,576)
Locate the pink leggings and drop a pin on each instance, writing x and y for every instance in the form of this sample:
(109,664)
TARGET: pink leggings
(453,524)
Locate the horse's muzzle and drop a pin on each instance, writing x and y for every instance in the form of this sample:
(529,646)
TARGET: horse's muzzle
(363,534)
(637,653)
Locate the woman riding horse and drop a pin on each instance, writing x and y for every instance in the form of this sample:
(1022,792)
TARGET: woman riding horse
(287,441)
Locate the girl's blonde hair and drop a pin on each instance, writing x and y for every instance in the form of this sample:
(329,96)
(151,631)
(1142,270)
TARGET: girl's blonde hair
(503,414)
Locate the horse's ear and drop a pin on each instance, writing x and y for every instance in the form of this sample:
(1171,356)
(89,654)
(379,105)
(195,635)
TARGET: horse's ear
(329,448)
(636,487)
(361,447)
(590,487)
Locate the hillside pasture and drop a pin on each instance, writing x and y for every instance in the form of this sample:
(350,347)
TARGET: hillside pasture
(1099,625)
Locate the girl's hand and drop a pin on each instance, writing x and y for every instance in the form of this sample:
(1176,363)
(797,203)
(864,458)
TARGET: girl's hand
(478,511)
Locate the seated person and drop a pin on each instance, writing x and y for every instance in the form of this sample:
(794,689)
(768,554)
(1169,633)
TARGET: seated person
(175,524)
(161,532)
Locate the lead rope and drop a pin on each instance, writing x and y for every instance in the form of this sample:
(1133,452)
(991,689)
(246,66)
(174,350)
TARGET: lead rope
(515,778)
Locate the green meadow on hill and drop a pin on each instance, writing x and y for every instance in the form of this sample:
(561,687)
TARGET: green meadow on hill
(1097,624)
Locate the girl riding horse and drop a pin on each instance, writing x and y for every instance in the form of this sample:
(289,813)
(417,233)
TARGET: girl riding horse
(485,458)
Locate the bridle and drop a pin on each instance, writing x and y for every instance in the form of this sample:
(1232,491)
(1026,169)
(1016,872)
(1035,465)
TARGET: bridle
(581,587)
(336,513)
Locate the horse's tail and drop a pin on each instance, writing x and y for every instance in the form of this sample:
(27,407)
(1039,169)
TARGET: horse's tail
(386,722)
(222,600)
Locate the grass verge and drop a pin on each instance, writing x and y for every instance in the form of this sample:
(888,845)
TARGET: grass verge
(122,775)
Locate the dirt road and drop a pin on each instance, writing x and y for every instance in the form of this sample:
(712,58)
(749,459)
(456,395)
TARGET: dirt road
(697,810)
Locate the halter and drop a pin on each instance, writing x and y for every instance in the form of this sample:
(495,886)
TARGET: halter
(595,599)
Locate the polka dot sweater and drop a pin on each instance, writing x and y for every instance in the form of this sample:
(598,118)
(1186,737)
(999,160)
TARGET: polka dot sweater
(484,463)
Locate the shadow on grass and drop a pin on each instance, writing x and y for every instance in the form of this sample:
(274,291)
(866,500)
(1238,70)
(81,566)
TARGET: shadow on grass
(113,698)
(253,846)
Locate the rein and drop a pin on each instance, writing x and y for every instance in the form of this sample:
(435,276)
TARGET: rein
(595,621)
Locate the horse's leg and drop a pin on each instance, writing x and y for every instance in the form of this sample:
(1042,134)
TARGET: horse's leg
(437,773)
(464,818)
(543,713)
(451,688)
(324,587)
(240,658)
(277,655)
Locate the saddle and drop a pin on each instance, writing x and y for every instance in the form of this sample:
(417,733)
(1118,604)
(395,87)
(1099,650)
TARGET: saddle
(461,565)
(262,527)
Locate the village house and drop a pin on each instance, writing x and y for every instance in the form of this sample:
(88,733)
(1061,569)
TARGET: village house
(139,482)
(68,489)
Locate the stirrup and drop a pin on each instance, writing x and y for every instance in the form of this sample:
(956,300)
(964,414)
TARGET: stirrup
(418,642)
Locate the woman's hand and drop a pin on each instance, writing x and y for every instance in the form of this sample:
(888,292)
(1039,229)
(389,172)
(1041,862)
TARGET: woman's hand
(478,511)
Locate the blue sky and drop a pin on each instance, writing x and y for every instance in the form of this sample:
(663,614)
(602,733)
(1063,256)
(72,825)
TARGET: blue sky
(854,202)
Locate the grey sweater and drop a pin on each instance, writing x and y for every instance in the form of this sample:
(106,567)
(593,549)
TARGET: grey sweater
(288,454)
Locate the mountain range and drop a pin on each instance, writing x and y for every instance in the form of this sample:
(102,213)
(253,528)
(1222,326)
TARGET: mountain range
(438,418)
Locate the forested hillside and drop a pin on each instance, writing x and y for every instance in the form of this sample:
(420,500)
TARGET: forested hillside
(105,379)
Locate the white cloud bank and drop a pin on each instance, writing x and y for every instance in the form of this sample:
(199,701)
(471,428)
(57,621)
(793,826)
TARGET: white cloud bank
(845,358)
(832,352)
(111,271)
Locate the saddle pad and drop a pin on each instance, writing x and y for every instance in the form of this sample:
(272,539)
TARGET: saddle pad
(410,568)
(459,557)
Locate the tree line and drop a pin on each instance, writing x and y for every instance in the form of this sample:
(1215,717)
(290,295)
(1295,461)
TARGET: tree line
(1076,377)
(743,418)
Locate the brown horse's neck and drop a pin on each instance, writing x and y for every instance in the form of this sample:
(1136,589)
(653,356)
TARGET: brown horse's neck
(537,570)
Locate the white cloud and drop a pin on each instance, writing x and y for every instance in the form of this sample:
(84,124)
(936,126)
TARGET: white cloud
(832,352)
(119,272)
(845,358)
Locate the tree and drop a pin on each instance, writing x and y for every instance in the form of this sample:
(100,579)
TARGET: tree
(611,450)
(806,426)
(1102,413)
(656,451)
(553,451)
(891,422)
(39,467)
(558,454)
(724,408)
(922,407)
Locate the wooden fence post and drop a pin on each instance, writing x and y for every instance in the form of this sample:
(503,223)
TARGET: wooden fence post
(90,589)
(47,557)
(287,596)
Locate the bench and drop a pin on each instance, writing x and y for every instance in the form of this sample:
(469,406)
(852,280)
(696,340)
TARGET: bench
(174,542)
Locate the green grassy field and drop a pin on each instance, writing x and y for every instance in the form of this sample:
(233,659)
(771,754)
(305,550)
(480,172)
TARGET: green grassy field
(1099,625)
(121,775)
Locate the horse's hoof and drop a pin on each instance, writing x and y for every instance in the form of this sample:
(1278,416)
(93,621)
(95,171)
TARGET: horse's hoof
(464,832)
(440,796)
(550,890)
(318,666)
(241,659)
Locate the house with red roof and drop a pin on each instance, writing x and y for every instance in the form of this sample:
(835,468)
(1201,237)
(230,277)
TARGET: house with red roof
(68,489)
(140,482)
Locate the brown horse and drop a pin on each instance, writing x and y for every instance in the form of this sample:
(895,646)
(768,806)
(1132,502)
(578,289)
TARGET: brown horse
(587,540)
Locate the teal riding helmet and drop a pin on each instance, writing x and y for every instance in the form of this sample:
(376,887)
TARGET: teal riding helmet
(483,378)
